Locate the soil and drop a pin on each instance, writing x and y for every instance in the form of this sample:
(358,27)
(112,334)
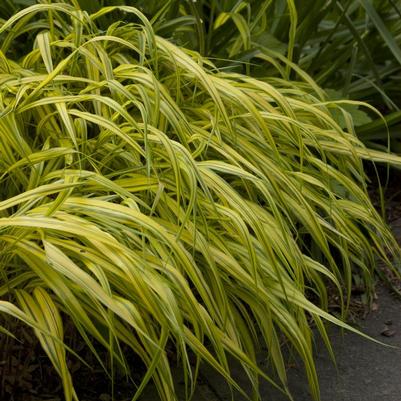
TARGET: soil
(27,375)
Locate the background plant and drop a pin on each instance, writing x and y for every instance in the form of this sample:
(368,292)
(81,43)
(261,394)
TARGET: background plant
(352,48)
(158,200)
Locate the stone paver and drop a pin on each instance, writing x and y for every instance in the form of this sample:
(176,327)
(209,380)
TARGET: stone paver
(366,371)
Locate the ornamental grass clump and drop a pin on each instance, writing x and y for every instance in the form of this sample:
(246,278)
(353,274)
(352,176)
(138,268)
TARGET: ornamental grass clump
(157,201)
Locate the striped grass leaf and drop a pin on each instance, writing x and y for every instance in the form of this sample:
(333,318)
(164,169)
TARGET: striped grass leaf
(155,199)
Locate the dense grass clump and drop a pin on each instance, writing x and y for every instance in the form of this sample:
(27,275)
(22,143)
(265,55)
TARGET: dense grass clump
(155,200)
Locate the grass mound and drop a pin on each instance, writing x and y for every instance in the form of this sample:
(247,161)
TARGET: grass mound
(157,200)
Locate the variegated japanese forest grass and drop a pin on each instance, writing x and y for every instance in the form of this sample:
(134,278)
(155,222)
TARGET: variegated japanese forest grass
(155,200)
